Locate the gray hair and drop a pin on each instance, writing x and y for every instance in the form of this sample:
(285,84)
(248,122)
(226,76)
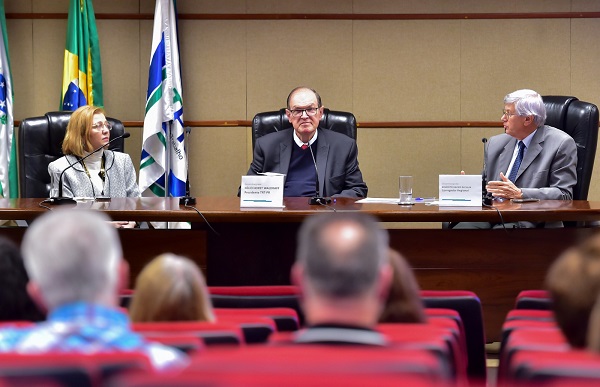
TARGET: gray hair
(528,103)
(73,255)
(336,266)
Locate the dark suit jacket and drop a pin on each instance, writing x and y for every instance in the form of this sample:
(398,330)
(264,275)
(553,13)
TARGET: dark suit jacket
(336,157)
(548,169)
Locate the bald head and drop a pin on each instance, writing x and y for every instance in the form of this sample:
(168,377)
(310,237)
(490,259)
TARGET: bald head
(342,253)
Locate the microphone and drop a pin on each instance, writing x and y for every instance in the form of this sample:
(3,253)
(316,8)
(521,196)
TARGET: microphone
(66,200)
(317,199)
(486,197)
(187,199)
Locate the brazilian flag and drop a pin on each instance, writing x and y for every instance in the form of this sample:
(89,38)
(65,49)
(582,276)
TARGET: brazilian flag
(82,74)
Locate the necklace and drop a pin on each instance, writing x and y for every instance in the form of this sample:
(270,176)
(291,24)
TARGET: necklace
(102,174)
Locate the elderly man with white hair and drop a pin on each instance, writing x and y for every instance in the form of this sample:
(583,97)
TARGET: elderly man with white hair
(75,266)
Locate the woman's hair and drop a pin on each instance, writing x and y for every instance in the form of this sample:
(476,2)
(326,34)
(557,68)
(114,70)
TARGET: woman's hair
(573,281)
(404,301)
(15,303)
(593,333)
(170,288)
(77,137)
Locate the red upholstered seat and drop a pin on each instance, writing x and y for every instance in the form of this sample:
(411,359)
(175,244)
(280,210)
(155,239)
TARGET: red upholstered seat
(210,333)
(549,339)
(468,305)
(530,315)
(567,367)
(286,319)
(256,329)
(69,369)
(253,379)
(533,299)
(290,361)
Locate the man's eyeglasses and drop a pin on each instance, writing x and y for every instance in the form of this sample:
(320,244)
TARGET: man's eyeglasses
(311,111)
(508,114)
(100,125)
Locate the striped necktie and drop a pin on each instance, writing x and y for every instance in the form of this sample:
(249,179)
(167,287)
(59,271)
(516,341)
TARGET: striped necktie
(513,172)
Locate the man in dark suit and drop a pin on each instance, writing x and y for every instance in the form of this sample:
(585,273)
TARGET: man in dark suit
(294,152)
(530,160)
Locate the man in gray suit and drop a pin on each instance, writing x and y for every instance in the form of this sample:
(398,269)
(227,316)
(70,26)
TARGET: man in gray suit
(530,160)
(294,152)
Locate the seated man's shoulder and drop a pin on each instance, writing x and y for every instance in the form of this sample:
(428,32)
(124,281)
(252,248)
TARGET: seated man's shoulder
(555,132)
(11,337)
(275,135)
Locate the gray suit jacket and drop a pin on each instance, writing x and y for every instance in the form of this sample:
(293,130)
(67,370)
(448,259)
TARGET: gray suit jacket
(336,157)
(548,169)
(120,177)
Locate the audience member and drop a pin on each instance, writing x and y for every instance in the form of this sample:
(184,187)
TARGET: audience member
(75,266)
(404,302)
(294,152)
(593,334)
(170,288)
(343,273)
(574,284)
(15,303)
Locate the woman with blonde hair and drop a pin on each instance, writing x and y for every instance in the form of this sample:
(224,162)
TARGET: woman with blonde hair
(170,288)
(104,173)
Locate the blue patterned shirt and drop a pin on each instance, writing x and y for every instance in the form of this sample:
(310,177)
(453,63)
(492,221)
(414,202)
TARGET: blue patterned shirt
(87,328)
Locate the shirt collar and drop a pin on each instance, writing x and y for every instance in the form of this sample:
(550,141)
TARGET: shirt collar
(88,311)
(300,143)
(527,140)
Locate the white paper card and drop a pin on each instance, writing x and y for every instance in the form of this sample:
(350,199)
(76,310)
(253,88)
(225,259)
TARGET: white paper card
(262,191)
(460,190)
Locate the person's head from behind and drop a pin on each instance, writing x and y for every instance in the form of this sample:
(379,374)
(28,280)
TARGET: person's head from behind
(574,284)
(74,256)
(404,302)
(87,130)
(342,268)
(524,111)
(171,288)
(15,303)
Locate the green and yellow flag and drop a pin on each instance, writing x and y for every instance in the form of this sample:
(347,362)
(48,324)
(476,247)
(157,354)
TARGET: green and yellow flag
(82,74)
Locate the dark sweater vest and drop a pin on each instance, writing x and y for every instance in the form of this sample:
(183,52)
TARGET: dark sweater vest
(302,176)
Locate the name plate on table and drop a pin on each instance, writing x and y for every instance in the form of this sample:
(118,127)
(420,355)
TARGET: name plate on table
(460,190)
(262,191)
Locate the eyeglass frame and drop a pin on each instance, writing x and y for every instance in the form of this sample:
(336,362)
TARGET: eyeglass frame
(294,112)
(101,125)
(509,114)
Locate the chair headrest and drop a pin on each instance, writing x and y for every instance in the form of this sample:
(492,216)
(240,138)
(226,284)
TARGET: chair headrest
(274,121)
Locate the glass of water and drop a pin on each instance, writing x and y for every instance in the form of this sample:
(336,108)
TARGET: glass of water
(406,187)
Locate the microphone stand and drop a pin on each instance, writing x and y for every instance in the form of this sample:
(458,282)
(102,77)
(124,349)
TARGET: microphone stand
(66,200)
(486,197)
(187,199)
(317,198)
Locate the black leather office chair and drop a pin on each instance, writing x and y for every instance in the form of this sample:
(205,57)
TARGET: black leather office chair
(40,143)
(580,120)
(269,122)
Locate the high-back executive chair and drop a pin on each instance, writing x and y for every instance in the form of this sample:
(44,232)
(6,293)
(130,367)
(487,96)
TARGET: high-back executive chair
(40,143)
(579,120)
(269,122)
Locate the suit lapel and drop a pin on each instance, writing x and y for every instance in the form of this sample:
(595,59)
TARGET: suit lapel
(535,147)
(322,154)
(285,154)
(505,157)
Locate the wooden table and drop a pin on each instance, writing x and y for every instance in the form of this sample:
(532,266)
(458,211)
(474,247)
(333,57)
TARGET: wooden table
(256,247)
